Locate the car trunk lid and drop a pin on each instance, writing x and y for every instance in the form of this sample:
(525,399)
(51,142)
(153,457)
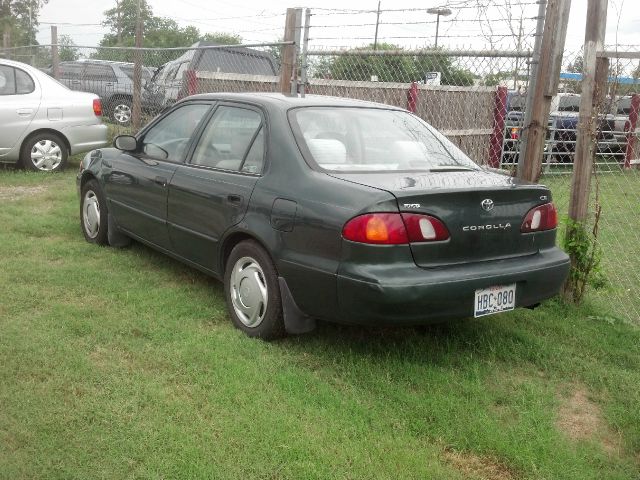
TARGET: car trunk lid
(482,210)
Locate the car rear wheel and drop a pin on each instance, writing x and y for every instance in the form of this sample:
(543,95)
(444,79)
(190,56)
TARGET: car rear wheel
(93,213)
(44,152)
(121,111)
(252,292)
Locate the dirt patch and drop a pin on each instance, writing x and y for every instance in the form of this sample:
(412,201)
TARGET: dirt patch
(478,467)
(16,193)
(580,419)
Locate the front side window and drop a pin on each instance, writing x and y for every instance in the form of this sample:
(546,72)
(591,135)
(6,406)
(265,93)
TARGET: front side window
(169,138)
(14,81)
(227,141)
(371,139)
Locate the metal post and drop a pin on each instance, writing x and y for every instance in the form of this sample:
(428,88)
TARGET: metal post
(55,54)
(296,39)
(437,28)
(136,114)
(375,39)
(533,72)
(305,47)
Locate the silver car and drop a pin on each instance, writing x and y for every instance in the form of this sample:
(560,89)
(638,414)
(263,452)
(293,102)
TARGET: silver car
(42,122)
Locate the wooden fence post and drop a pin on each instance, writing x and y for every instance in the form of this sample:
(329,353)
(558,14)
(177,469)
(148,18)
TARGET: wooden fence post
(55,54)
(288,69)
(412,97)
(631,131)
(497,137)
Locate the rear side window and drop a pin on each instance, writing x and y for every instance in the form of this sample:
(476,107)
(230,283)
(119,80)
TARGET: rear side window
(99,73)
(14,81)
(24,82)
(71,71)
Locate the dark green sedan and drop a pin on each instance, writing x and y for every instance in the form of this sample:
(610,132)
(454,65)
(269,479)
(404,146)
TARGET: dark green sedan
(324,208)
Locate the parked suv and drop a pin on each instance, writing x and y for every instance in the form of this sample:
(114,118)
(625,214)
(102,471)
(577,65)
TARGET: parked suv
(167,84)
(111,81)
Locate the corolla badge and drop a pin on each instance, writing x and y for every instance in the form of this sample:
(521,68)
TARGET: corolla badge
(487,204)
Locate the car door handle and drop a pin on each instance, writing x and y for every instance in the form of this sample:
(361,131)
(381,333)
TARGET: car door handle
(161,181)
(24,112)
(75,81)
(234,199)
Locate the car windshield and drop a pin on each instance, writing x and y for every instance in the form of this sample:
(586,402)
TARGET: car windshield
(372,139)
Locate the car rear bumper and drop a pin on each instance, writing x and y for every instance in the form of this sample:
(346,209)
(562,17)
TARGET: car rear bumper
(411,296)
(83,138)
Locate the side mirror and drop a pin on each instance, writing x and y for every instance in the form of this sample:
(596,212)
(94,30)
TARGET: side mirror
(126,143)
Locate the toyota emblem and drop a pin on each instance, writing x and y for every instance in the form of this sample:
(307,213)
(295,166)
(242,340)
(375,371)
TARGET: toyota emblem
(487,204)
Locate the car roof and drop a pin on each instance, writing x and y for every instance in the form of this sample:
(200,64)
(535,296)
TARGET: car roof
(285,102)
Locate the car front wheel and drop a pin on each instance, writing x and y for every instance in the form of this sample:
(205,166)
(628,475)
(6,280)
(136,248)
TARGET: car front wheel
(93,213)
(252,292)
(44,152)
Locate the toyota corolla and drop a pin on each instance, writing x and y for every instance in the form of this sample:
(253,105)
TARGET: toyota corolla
(324,208)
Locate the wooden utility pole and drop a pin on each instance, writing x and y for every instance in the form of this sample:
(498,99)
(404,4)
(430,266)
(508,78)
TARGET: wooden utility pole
(546,86)
(55,54)
(136,113)
(288,69)
(590,99)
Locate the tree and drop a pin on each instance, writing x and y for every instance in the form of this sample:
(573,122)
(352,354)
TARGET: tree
(20,18)
(67,50)
(391,68)
(159,32)
(222,38)
(577,66)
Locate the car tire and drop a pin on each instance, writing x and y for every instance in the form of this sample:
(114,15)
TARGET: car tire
(93,213)
(253,293)
(121,111)
(44,152)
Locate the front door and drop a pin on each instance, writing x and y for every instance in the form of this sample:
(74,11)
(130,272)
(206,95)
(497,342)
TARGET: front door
(137,183)
(211,192)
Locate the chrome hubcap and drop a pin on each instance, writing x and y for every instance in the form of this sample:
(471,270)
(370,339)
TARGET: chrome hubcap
(46,155)
(91,213)
(122,113)
(249,294)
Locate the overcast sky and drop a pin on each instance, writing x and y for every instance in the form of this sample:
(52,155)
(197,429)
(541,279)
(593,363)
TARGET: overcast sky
(259,21)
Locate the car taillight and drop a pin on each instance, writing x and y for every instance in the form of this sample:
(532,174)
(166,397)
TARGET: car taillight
(97,107)
(394,229)
(544,217)
(424,228)
(514,133)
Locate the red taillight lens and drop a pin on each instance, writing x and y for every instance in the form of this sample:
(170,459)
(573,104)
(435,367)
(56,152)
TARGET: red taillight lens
(394,229)
(544,217)
(424,228)
(378,228)
(515,134)
(97,107)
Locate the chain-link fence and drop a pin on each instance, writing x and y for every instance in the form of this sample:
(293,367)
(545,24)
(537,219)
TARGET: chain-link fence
(477,97)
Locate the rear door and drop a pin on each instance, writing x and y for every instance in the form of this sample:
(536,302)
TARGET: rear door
(19,103)
(137,184)
(71,74)
(211,192)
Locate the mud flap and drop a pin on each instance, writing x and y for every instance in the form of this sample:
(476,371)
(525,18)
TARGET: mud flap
(114,236)
(295,320)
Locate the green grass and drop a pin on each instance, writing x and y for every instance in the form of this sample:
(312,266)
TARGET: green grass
(618,236)
(123,364)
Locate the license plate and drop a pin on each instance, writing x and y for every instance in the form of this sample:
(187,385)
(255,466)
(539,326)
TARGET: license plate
(495,299)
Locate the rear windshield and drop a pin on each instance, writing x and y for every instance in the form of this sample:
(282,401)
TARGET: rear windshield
(219,60)
(371,139)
